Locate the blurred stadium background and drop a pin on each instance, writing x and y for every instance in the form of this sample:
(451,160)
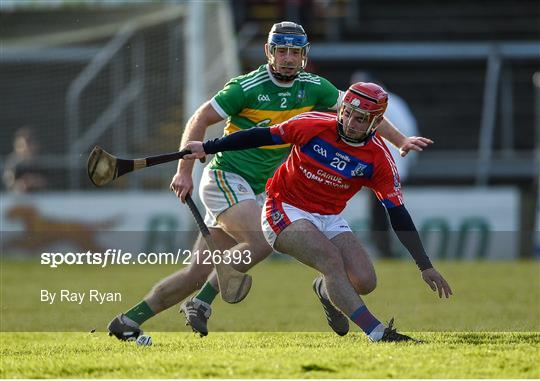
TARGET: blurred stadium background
(127,75)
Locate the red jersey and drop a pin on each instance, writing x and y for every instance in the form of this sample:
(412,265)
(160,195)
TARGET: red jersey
(323,172)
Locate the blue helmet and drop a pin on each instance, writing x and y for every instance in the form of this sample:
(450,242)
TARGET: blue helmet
(288,35)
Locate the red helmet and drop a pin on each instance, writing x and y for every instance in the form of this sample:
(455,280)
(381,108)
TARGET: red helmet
(368,99)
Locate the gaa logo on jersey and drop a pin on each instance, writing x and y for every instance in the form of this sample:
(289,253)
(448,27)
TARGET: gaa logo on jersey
(359,170)
(263,98)
(320,150)
(277,216)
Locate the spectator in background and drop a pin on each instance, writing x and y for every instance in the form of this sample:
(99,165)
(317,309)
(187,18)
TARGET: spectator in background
(400,114)
(21,172)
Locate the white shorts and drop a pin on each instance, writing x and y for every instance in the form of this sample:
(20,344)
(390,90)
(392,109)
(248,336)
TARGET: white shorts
(219,190)
(278,215)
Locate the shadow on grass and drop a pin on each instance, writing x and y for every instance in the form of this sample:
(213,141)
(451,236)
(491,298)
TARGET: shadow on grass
(317,368)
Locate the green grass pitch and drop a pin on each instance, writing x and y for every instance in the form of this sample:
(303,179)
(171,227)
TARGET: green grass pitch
(489,329)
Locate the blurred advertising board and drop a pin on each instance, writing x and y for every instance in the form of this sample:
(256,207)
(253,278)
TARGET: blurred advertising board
(94,221)
(455,223)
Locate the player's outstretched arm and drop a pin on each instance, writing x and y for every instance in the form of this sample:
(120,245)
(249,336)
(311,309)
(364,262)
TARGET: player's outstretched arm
(405,144)
(251,138)
(403,225)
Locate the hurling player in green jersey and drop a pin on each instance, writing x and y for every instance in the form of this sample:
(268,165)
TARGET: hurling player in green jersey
(259,99)
(232,185)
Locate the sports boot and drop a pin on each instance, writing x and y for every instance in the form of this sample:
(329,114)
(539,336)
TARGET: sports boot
(124,330)
(197,313)
(336,319)
(390,334)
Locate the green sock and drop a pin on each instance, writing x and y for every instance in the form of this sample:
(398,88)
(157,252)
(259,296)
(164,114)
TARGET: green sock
(140,313)
(207,293)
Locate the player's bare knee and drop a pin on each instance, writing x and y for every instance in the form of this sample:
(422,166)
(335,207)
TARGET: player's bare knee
(367,286)
(259,250)
(364,283)
(331,263)
(254,250)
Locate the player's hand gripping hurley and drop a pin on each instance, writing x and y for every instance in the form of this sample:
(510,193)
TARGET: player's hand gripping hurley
(103,168)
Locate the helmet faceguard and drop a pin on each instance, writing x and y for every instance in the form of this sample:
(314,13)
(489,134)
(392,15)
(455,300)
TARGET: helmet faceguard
(287,35)
(367,102)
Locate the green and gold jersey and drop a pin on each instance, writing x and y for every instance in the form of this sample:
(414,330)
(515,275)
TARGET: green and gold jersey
(258,100)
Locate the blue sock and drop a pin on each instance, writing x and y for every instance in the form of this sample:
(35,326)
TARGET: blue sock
(365,320)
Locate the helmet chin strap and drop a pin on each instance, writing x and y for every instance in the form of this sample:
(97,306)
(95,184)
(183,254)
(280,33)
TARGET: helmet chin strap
(281,77)
(369,132)
(344,137)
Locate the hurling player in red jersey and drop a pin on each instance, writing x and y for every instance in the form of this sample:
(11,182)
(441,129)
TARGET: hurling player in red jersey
(332,158)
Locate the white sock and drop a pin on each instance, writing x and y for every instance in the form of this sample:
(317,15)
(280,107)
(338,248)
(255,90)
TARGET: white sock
(377,332)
